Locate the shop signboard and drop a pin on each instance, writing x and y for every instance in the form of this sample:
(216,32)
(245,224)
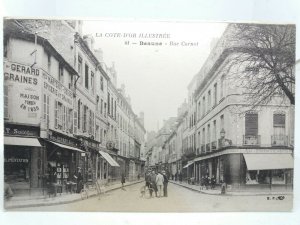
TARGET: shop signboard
(23,93)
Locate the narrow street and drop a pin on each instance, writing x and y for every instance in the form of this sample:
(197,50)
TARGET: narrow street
(179,200)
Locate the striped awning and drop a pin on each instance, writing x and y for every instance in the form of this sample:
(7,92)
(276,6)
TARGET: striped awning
(109,159)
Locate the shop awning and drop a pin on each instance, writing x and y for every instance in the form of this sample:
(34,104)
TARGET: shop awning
(109,159)
(269,161)
(22,141)
(66,146)
(188,164)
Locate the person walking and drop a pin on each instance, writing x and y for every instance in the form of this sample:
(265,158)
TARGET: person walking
(153,183)
(123,181)
(148,179)
(79,180)
(159,183)
(165,184)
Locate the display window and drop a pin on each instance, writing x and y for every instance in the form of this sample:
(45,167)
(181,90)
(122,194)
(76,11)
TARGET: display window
(17,166)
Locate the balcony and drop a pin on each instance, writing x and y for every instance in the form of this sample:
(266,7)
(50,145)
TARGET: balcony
(223,142)
(251,140)
(279,140)
(214,145)
(208,147)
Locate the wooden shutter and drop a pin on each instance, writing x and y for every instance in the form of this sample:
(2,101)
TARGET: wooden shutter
(251,124)
(75,122)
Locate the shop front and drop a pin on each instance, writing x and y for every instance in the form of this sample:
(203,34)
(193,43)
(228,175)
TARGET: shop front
(108,167)
(23,159)
(63,159)
(249,168)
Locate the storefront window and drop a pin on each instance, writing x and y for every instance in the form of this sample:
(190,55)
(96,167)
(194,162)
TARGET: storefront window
(16,166)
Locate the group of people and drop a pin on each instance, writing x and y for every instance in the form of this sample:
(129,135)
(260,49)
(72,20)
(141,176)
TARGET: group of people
(157,182)
(207,182)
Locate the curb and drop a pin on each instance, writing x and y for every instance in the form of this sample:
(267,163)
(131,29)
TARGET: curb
(65,201)
(232,193)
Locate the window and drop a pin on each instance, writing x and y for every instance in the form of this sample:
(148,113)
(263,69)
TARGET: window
(209,100)
(115,109)
(6,90)
(199,109)
(222,86)
(101,106)
(61,73)
(92,82)
(49,62)
(203,136)
(214,134)
(215,94)
(108,103)
(222,122)
(85,117)
(203,100)
(199,139)
(101,83)
(79,70)
(208,134)
(251,124)
(70,121)
(105,109)
(112,106)
(86,77)
(58,115)
(279,124)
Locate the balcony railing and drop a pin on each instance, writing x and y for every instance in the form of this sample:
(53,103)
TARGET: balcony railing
(208,147)
(279,140)
(223,142)
(251,140)
(214,145)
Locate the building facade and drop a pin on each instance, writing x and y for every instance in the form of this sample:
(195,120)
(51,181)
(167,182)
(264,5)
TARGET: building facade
(60,108)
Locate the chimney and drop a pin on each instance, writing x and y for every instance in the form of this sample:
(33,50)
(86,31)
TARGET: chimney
(89,40)
(78,27)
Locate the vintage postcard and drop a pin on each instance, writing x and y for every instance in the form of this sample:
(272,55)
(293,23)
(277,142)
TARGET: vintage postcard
(148,116)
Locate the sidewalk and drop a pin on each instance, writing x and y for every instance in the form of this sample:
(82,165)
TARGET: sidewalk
(35,201)
(217,190)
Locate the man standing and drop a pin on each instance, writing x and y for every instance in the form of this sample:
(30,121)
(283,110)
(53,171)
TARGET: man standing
(165,184)
(148,179)
(153,183)
(159,183)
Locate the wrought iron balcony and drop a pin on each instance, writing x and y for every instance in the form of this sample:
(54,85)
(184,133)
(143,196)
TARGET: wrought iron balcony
(251,140)
(279,140)
(223,142)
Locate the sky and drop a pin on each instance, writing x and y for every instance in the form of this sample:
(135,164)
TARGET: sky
(155,77)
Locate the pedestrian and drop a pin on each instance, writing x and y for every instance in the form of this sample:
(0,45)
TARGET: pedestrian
(180,177)
(123,181)
(79,180)
(206,182)
(8,193)
(153,183)
(223,187)
(176,176)
(213,182)
(202,183)
(148,179)
(159,183)
(165,184)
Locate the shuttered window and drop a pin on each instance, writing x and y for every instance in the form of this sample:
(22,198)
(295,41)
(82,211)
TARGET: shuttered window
(251,124)
(78,108)
(46,110)
(6,89)
(56,114)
